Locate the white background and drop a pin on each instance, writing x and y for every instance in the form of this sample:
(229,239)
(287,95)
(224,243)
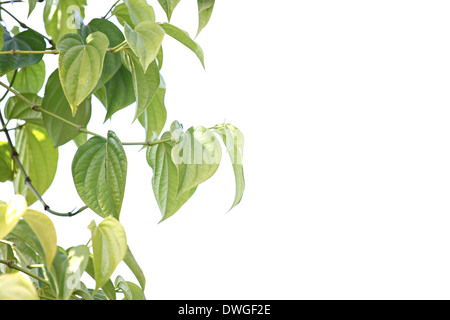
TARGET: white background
(345,106)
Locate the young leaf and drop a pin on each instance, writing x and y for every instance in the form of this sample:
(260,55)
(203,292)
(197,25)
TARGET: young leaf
(6,163)
(55,101)
(29,79)
(140,11)
(27,41)
(197,157)
(165,179)
(155,116)
(109,244)
(168,6)
(16,286)
(145,84)
(122,14)
(184,38)
(59,19)
(38,157)
(234,142)
(145,41)
(99,171)
(16,108)
(117,93)
(44,230)
(112,62)
(81,65)
(67,269)
(10,214)
(205,9)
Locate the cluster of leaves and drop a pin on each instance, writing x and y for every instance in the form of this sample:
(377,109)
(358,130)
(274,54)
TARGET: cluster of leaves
(120,66)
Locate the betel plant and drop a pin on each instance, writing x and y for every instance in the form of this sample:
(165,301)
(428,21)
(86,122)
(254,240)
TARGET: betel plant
(117,59)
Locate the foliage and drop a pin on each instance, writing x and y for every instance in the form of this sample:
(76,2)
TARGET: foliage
(119,63)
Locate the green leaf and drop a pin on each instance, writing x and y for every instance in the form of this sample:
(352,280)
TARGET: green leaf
(27,41)
(109,244)
(6,163)
(184,38)
(108,288)
(145,41)
(32,5)
(29,79)
(2,33)
(205,9)
(136,292)
(58,17)
(81,65)
(55,101)
(165,181)
(197,157)
(155,116)
(16,108)
(38,157)
(145,84)
(140,11)
(131,262)
(10,214)
(82,29)
(99,171)
(121,284)
(117,93)
(16,286)
(45,232)
(80,139)
(168,6)
(160,58)
(113,62)
(234,142)
(123,15)
(67,269)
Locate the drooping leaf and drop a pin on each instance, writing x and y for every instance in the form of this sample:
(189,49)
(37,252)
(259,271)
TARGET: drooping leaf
(113,62)
(155,116)
(140,11)
(32,5)
(160,58)
(45,232)
(136,292)
(16,286)
(29,79)
(81,65)
(165,181)
(38,157)
(67,269)
(109,244)
(16,108)
(99,171)
(6,163)
(56,102)
(122,285)
(184,38)
(145,84)
(145,41)
(197,157)
(168,6)
(10,214)
(131,262)
(59,19)
(234,143)
(205,9)
(27,41)
(117,93)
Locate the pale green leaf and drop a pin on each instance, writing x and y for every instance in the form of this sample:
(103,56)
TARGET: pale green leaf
(140,11)
(18,109)
(10,214)
(136,292)
(38,157)
(56,102)
(168,6)
(109,244)
(197,157)
(99,171)
(81,65)
(29,79)
(122,285)
(122,14)
(131,262)
(31,5)
(145,41)
(6,163)
(16,286)
(184,38)
(205,9)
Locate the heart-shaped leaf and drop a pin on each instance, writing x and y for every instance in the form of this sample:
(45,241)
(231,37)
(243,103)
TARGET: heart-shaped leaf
(99,171)
(29,79)
(81,65)
(109,244)
(139,11)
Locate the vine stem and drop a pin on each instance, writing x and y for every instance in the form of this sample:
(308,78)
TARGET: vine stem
(19,52)
(12,265)
(111,9)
